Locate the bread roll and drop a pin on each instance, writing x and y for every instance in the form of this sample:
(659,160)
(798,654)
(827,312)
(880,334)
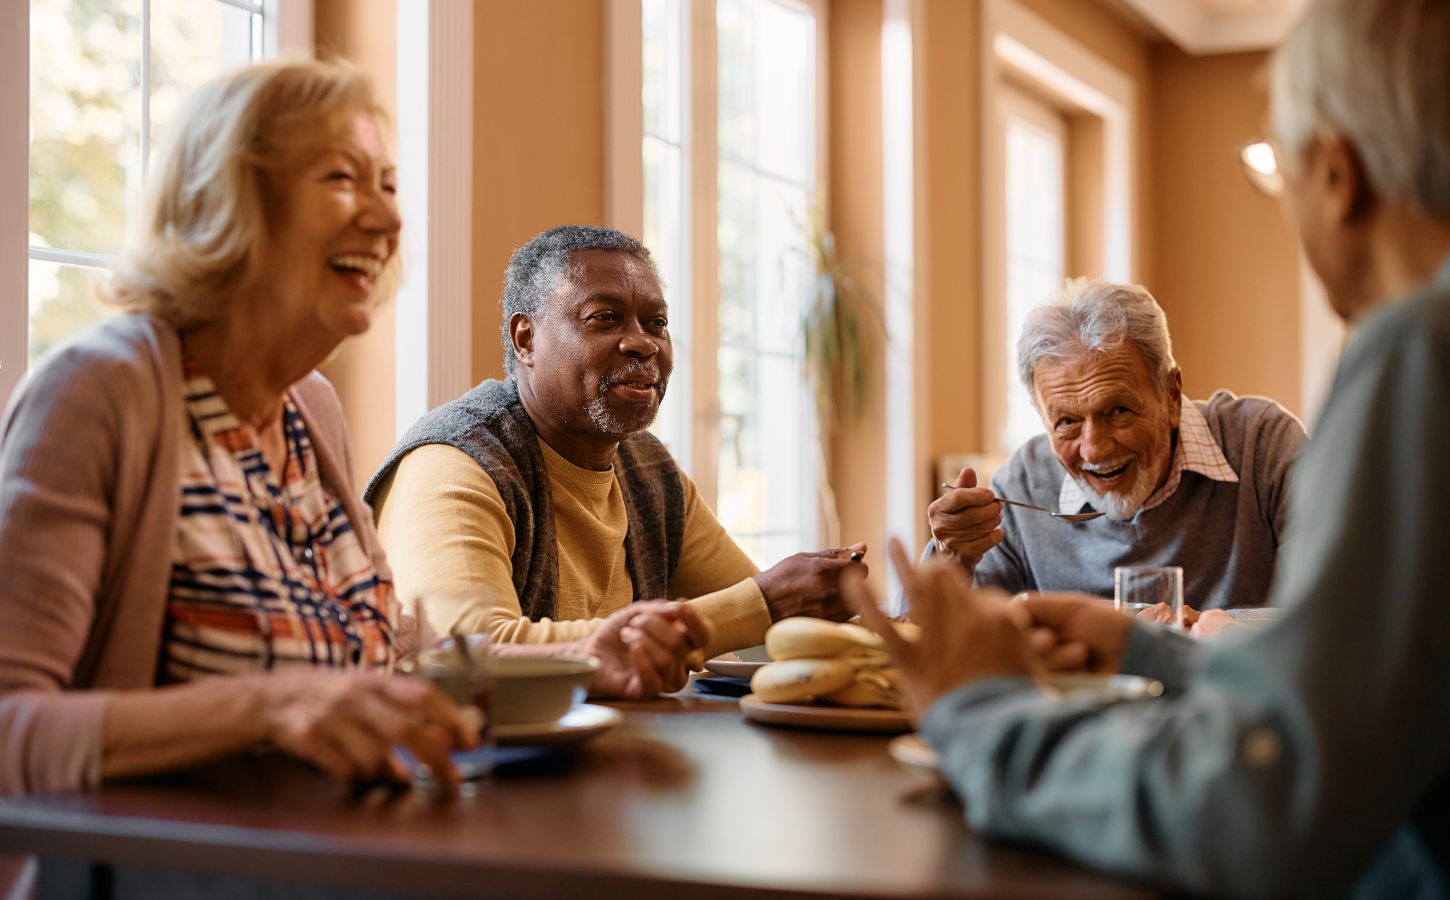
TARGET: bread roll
(799,680)
(870,687)
(803,637)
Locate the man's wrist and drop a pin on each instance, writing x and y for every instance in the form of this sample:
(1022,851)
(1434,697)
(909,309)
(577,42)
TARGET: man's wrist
(944,552)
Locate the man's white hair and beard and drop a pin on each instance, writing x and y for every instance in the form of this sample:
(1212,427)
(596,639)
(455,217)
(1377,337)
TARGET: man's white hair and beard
(638,415)
(1123,505)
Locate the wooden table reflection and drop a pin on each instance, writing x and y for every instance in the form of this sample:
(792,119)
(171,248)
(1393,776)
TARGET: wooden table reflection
(684,800)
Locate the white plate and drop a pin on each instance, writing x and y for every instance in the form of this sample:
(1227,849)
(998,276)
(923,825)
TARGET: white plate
(1105,687)
(914,753)
(831,718)
(911,751)
(578,724)
(740,664)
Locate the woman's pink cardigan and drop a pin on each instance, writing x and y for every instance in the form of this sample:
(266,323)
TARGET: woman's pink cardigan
(88,502)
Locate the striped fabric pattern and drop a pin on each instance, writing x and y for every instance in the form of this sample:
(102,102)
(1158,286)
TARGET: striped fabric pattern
(266,573)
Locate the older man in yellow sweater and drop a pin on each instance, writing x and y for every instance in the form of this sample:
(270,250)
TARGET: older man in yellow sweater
(531,508)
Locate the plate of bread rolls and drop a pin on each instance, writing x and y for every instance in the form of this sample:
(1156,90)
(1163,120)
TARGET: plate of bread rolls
(827,675)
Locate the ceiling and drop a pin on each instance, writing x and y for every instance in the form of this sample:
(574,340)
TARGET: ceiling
(1219,26)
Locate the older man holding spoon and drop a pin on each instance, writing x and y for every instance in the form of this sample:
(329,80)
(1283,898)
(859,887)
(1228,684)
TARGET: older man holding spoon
(1134,473)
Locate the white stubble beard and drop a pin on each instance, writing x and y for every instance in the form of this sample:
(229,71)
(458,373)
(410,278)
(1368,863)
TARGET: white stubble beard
(1120,506)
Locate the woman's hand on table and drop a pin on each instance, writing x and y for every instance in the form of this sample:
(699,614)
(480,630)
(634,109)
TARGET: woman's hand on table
(645,649)
(349,723)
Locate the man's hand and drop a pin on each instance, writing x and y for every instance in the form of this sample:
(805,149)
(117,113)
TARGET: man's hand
(966,522)
(966,635)
(1162,614)
(809,584)
(1213,622)
(1076,632)
(643,649)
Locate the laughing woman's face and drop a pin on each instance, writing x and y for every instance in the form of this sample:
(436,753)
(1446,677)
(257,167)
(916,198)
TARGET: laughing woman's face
(333,227)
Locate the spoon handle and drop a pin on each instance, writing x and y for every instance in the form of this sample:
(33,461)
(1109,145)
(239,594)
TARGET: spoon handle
(952,487)
(1023,505)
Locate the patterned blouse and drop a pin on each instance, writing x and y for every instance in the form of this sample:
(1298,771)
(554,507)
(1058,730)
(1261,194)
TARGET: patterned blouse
(265,573)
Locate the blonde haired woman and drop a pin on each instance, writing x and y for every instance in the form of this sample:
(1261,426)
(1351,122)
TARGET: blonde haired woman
(188,571)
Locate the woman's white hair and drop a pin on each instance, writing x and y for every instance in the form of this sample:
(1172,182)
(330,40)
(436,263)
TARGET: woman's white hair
(1374,72)
(204,220)
(1092,316)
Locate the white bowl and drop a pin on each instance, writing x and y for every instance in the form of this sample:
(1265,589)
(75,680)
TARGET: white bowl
(534,691)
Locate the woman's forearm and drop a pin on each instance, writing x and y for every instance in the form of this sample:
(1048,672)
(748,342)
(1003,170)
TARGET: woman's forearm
(157,730)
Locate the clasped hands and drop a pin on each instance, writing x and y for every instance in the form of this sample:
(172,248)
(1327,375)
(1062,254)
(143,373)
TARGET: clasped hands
(969,635)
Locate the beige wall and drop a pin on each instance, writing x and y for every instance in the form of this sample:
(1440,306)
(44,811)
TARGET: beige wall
(949,226)
(362,369)
(1227,270)
(538,137)
(858,450)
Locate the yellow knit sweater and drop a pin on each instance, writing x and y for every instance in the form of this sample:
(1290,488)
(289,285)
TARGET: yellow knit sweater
(449,537)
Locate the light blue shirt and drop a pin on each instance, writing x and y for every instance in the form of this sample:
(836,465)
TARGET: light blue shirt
(1310,757)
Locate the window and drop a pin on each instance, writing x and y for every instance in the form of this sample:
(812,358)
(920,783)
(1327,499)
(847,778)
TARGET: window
(666,152)
(768,457)
(1035,151)
(739,416)
(106,78)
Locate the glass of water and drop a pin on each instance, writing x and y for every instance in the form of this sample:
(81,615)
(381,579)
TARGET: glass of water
(1136,588)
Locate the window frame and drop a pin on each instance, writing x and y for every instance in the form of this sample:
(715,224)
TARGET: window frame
(1017,104)
(624,196)
(287,28)
(1017,44)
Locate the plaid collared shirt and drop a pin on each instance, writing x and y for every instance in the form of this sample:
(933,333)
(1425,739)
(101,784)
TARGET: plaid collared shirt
(266,570)
(1196,451)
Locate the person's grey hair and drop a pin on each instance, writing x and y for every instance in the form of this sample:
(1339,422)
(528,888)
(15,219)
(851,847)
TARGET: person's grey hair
(536,269)
(1092,316)
(1372,71)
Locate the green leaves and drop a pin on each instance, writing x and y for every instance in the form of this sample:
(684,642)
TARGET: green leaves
(836,314)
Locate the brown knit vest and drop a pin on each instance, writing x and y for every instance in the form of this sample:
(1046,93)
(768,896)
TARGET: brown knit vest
(489,424)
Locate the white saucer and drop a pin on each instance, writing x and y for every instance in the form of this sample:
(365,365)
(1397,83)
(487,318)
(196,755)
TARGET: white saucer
(1105,688)
(578,724)
(740,664)
(911,751)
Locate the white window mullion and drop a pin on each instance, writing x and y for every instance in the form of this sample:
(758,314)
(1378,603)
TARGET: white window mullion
(145,130)
(72,257)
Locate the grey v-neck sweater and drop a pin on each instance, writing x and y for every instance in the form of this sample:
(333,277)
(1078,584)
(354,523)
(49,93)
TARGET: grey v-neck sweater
(1225,536)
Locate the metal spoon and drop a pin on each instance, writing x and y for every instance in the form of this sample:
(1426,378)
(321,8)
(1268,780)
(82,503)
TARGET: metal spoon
(1070,518)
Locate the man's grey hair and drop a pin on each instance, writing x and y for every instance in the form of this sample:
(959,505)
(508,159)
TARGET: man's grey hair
(1092,316)
(536,269)
(1374,72)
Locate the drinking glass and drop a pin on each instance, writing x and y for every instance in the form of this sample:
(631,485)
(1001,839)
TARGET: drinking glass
(1136,588)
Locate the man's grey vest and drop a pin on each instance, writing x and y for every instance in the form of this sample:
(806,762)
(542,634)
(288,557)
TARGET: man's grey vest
(490,425)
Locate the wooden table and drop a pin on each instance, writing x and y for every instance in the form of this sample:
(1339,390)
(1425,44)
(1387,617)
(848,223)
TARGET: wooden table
(684,800)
